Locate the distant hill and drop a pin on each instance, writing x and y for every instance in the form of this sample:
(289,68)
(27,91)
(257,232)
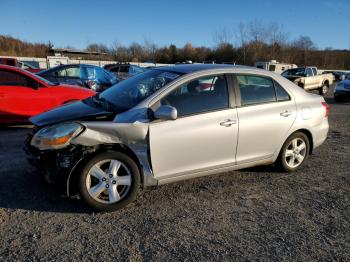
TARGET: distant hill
(11,46)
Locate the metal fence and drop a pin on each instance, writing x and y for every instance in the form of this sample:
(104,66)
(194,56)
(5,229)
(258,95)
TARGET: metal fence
(52,61)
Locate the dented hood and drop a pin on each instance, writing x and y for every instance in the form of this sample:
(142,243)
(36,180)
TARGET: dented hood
(81,110)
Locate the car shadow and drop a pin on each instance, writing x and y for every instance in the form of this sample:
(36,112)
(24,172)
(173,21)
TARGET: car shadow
(21,185)
(261,169)
(28,191)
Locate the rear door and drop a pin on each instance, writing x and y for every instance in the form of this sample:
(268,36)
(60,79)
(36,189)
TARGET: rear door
(203,137)
(266,113)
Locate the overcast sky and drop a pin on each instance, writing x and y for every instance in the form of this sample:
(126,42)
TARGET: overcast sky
(80,22)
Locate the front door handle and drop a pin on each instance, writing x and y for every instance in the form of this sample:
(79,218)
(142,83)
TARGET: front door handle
(228,123)
(286,113)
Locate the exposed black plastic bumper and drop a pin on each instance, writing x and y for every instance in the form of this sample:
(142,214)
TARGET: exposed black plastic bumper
(54,165)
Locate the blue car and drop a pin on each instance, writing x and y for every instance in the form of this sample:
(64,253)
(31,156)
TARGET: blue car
(89,76)
(124,71)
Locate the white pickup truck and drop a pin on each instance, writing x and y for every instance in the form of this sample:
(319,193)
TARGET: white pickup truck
(309,79)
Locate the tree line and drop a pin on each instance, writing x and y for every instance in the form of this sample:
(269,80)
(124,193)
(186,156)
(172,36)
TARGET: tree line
(245,45)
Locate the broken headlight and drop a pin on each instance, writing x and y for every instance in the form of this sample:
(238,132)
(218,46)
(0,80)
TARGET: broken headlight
(56,136)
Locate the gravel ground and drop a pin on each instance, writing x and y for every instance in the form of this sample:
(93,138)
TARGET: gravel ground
(254,214)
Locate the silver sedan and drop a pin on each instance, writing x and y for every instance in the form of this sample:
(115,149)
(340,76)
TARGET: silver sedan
(174,123)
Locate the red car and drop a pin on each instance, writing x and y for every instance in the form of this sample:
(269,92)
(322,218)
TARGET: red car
(23,94)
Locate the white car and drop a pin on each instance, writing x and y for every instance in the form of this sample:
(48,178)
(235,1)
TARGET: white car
(174,123)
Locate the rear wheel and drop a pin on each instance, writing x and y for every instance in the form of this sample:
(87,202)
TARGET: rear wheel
(323,89)
(294,152)
(109,181)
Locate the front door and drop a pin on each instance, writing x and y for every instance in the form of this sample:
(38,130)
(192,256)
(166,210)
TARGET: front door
(203,137)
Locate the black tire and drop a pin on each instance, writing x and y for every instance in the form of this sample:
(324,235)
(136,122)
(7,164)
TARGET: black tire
(323,90)
(282,162)
(131,193)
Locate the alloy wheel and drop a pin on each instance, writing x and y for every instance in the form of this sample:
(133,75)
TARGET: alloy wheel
(295,152)
(108,181)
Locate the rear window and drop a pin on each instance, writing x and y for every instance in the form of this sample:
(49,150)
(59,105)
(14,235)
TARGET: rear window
(272,68)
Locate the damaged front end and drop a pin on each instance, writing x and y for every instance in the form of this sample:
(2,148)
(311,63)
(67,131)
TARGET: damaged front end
(56,165)
(60,158)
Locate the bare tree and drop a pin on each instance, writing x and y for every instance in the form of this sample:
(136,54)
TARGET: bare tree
(243,40)
(222,37)
(150,50)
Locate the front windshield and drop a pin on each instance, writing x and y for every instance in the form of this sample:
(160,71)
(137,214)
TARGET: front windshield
(132,91)
(294,72)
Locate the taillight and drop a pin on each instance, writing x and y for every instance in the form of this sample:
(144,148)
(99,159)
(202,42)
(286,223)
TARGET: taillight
(326,107)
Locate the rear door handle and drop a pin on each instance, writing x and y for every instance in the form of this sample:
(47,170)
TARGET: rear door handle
(228,123)
(286,113)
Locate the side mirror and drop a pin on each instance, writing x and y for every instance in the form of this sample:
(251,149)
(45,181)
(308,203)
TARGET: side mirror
(166,113)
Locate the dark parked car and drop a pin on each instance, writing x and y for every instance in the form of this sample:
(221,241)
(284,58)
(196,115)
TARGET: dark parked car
(89,76)
(338,76)
(342,90)
(124,71)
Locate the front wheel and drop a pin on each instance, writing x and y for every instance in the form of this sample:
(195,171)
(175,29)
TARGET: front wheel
(109,181)
(294,152)
(323,89)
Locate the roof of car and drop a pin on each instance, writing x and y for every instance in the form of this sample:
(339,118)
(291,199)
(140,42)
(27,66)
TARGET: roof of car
(189,68)
(9,67)
(15,68)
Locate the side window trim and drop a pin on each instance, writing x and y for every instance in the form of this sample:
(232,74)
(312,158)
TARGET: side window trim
(232,96)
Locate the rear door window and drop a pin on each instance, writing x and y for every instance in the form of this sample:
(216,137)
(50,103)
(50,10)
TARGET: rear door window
(256,89)
(73,72)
